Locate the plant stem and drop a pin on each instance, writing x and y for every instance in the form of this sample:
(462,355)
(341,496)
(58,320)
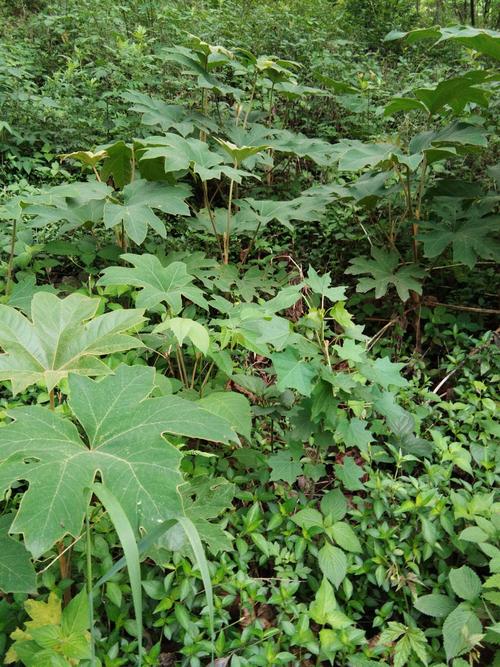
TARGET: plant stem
(88,549)
(206,203)
(10,265)
(229,218)
(250,101)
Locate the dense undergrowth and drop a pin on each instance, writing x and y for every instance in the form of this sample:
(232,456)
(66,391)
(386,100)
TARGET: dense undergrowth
(249,370)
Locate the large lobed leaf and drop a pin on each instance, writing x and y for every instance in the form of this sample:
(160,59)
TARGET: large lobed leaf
(63,336)
(123,444)
(157,282)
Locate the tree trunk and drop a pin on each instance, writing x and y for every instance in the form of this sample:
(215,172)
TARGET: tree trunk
(472,13)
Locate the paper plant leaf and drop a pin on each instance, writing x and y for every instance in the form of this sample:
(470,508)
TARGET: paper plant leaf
(322,285)
(384,271)
(159,283)
(354,155)
(255,213)
(182,154)
(470,237)
(23,291)
(293,372)
(123,442)
(118,163)
(17,574)
(167,116)
(63,337)
(139,199)
(480,39)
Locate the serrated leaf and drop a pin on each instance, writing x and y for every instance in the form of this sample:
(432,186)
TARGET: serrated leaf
(63,337)
(333,563)
(124,443)
(462,630)
(465,583)
(308,518)
(385,373)
(158,283)
(334,505)
(324,603)
(435,605)
(345,537)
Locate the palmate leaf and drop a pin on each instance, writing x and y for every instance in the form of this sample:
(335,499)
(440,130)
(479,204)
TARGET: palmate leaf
(260,212)
(167,116)
(123,443)
(63,337)
(139,199)
(470,237)
(159,283)
(17,574)
(455,93)
(480,39)
(180,154)
(384,271)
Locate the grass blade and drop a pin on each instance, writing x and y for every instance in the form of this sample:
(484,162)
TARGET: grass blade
(142,546)
(130,549)
(199,554)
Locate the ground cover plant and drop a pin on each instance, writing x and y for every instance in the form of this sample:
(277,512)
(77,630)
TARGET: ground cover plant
(249,359)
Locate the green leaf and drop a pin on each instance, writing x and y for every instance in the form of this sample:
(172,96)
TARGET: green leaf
(63,337)
(465,583)
(384,272)
(480,39)
(385,373)
(334,505)
(167,116)
(293,372)
(118,164)
(284,467)
(354,433)
(201,561)
(345,537)
(333,563)
(308,518)
(203,499)
(240,153)
(128,543)
(17,574)
(435,605)
(182,328)
(232,407)
(324,603)
(462,630)
(158,283)
(349,473)
(322,285)
(255,213)
(22,293)
(473,534)
(181,154)
(139,199)
(124,443)
(470,236)
(355,155)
